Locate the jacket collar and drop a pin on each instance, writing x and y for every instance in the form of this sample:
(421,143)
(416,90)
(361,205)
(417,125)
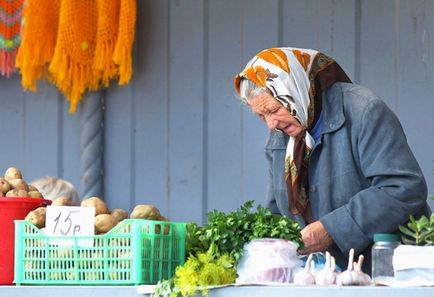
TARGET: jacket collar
(333,114)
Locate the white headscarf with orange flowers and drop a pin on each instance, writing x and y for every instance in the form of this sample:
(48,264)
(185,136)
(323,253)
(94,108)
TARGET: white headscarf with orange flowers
(296,78)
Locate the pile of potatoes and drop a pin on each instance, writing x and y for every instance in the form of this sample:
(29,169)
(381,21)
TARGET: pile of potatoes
(89,263)
(104,220)
(12,184)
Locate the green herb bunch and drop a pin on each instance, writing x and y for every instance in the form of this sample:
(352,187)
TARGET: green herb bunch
(198,273)
(214,249)
(230,231)
(418,232)
(203,270)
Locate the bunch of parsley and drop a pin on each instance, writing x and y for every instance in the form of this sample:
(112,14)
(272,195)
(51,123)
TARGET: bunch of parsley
(229,231)
(215,248)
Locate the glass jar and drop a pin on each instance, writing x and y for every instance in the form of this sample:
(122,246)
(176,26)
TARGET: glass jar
(382,254)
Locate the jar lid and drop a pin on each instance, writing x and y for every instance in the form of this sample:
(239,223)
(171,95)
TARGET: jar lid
(389,237)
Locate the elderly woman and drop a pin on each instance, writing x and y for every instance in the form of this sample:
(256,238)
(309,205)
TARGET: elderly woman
(339,162)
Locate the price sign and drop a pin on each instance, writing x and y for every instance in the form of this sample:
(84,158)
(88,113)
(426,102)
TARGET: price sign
(70,221)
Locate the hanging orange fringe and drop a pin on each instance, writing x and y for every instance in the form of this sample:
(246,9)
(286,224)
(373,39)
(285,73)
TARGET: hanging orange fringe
(107,33)
(93,45)
(39,35)
(124,44)
(71,66)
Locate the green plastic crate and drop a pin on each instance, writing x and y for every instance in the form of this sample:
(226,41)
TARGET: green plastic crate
(134,252)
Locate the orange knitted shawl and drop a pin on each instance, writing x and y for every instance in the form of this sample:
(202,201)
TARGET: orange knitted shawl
(83,44)
(41,19)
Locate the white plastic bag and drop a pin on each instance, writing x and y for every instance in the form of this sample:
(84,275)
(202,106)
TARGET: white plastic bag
(268,260)
(414,263)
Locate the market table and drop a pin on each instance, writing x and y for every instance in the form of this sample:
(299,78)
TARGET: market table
(245,291)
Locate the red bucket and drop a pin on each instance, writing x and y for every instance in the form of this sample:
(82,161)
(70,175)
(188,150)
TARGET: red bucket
(12,209)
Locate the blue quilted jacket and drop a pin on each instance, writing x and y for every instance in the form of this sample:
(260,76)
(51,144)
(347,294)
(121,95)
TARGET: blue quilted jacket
(363,177)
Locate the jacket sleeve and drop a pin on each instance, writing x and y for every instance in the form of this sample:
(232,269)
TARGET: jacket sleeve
(397,186)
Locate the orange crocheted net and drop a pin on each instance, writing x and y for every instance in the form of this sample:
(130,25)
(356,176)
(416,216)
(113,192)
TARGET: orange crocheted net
(71,66)
(124,44)
(93,45)
(41,18)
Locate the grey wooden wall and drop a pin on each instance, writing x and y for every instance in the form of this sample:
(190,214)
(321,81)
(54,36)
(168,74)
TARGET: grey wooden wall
(178,137)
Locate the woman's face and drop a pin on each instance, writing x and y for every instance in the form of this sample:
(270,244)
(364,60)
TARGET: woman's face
(275,115)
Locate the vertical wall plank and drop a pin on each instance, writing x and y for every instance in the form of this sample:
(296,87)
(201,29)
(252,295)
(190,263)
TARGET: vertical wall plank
(186,50)
(224,109)
(415,62)
(337,32)
(177,135)
(378,47)
(69,144)
(42,136)
(327,26)
(152,105)
(261,18)
(118,147)
(12,123)
(301,21)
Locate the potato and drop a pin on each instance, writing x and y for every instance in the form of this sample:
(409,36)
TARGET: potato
(98,203)
(145,211)
(97,255)
(32,188)
(17,193)
(92,275)
(163,218)
(34,194)
(119,214)
(62,201)
(61,275)
(118,244)
(5,186)
(104,222)
(19,184)
(41,241)
(166,229)
(29,265)
(125,259)
(55,275)
(37,217)
(65,253)
(12,173)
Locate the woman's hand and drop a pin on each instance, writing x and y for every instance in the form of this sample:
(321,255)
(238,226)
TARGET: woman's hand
(315,238)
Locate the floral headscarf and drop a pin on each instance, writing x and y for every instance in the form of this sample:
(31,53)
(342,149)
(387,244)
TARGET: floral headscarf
(296,78)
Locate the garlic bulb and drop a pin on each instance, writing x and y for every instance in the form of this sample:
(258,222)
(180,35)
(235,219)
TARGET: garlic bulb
(363,278)
(305,276)
(353,276)
(327,276)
